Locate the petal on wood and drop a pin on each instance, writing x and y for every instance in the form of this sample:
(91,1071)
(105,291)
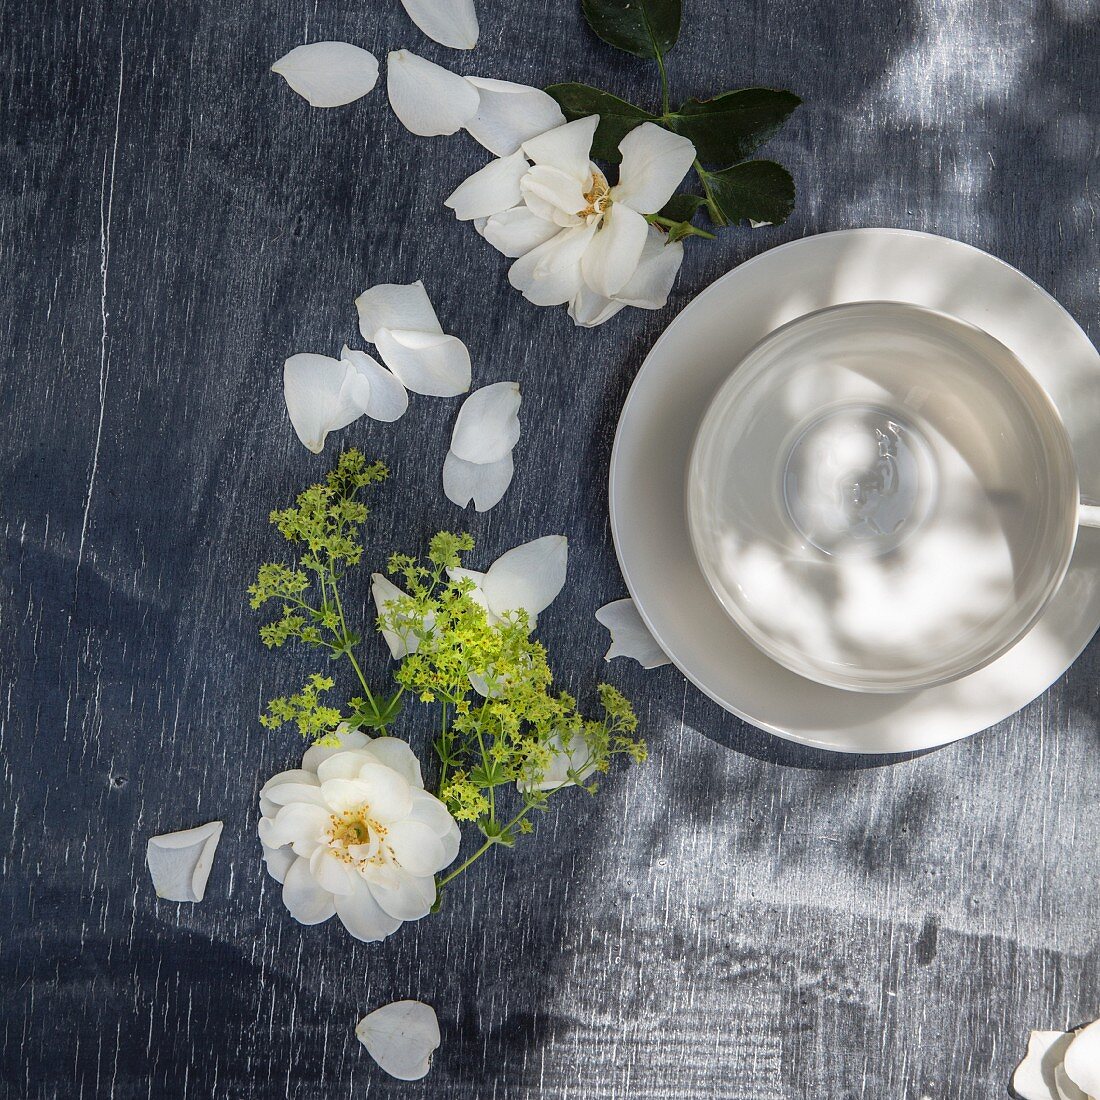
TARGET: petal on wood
(509,114)
(528,577)
(428,99)
(395,305)
(401,1037)
(322,395)
(387,399)
(1034,1078)
(487,426)
(451,23)
(426,362)
(179,863)
(630,637)
(483,483)
(328,74)
(1082,1061)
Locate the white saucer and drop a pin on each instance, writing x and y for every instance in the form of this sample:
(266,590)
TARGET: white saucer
(673,389)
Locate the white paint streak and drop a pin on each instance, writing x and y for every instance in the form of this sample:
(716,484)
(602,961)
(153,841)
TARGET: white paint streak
(106,208)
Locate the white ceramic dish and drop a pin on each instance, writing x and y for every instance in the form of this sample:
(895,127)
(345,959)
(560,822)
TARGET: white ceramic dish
(667,402)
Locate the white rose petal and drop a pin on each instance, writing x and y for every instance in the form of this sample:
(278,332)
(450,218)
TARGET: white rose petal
(630,637)
(387,399)
(401,1037)
(515,232)
(384,592)
(426,362)
(649,286)
(395,306)
(612,256)
(655,160)
(322,395)
(179,863)
(1034,1076)
(509,114)
(428,99)
(449,22)
(487,426)
(550,275)
(577,758)
(490,190)
(328,74)
(528,577)
(566,148)
(1082,1060)
(589,309)
(484,483)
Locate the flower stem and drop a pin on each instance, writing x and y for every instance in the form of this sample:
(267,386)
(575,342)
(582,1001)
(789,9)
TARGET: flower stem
(481,851)
(690,231)
(664,82)
(713,208)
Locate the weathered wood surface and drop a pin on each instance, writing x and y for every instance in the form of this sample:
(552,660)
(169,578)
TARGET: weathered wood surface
(739,919)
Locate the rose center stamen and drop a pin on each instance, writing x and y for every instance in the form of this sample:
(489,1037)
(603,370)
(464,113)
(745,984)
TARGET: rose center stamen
(598,196)
(356,827)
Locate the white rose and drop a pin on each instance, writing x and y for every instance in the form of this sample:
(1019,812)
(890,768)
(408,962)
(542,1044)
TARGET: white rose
(353,833)
(1061,1065)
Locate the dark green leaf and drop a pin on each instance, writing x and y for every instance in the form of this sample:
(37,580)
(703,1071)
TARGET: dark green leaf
(681,208)
(757,191)
(645,28)
(732,126)
(617,117)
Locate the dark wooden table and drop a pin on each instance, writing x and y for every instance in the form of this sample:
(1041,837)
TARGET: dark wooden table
(739,918)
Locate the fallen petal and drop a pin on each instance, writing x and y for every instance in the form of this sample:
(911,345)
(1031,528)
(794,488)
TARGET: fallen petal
(322,395)
(509,114)
(487,426)
(630,637)
(426,362)
(483,483)
(401,1037)
(387,399)
(1067,1090)
(1082,1061)
(449,22)
(328,74)
(428,99)
(395,305)
(179,863)
(528,577)
(1034,1077)
(490,190)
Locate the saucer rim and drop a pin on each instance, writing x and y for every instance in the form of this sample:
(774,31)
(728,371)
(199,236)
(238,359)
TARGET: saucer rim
(832,735)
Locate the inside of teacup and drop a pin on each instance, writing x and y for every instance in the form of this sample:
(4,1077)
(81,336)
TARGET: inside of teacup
(879,497)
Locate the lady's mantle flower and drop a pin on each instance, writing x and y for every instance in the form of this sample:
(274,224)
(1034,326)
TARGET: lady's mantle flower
(576,238)
(353,833)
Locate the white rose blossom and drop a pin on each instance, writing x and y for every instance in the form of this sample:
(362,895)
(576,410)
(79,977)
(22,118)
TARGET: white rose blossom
(1060,1065)
(353,833)
(576,238)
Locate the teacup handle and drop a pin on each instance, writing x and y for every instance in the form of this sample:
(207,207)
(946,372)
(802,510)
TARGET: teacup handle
(1088,514)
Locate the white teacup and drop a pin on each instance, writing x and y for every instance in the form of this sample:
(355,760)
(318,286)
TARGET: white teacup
(883,498)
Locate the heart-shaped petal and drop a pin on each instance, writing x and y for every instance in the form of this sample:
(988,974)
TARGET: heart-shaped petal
(487,426)
(509,114)
(451,23)
(655,160)
(387,399)
(528,577)
(483,483)
(426,362)
(566,148)
(428,99)
(490,190)
(401,1037)
(395,305)
(630,637)
(322,395)
(328,74)
(179,863)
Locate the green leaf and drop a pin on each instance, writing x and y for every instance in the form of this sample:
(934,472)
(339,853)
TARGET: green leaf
(645,28)
(617,117)
(732,126)
(757,191)
(682,207)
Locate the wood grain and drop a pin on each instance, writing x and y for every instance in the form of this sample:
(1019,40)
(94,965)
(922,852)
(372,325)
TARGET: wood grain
(738,919)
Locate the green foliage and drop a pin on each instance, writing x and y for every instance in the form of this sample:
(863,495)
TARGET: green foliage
(506,742)
(725,129)
(645,28)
